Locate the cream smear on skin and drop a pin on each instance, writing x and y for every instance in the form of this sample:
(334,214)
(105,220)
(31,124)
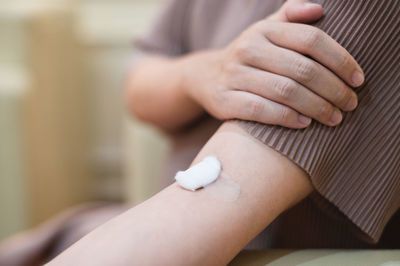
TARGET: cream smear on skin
(208,174)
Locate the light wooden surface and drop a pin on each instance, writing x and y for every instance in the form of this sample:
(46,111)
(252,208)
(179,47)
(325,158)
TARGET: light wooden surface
(319,257)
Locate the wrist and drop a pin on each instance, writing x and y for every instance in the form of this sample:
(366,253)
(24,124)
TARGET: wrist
(197,71)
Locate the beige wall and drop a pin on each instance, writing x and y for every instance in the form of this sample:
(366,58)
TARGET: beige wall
(56,117)
(74,142)
(123,146)
(12,179)
(14,82)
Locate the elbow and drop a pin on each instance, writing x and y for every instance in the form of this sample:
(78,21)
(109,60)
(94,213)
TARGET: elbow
(138,106)
(131,98)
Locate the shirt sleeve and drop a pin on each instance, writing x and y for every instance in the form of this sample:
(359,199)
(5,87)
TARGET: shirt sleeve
(355,166)
(168,35)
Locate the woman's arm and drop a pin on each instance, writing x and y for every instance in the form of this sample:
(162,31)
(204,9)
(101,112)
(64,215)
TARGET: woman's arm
(179,227)
(261,76)
(155,90)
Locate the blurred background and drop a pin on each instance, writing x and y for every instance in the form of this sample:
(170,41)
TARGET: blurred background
(65,138)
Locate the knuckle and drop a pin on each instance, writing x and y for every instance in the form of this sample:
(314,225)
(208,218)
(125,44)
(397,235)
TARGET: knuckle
(254,108)
(343,61)
(325,112)
(284,115)
(232,70)
(259,26)
(305,71)
(244,51)
(342,97)
(313,37)
(285,89)
(222,112)
(221,115)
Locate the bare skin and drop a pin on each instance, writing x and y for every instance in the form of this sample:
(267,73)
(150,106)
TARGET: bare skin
(180,227)
(264,75)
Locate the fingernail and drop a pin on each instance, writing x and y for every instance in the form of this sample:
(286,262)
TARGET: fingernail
(336,117)
(308,4)
(304,120)
(357,79)
(352,104)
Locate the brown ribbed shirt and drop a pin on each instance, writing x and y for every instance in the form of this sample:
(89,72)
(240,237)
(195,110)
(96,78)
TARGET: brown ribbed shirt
(355,167)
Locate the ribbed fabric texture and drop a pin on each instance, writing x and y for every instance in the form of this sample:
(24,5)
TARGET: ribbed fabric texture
(355,166)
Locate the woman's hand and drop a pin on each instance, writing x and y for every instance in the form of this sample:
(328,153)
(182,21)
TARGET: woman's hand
(277,73)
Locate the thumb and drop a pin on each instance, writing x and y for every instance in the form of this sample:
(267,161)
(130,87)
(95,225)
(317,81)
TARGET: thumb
(300,11)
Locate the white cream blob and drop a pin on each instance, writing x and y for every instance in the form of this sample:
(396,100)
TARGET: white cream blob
(199,175)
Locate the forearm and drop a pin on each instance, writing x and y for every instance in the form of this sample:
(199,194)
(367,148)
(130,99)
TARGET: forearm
(179,227)
(157,89)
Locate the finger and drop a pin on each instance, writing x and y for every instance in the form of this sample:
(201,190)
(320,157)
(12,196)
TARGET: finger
(307,72)
(289,93)
(311,41)
(251,107)
(301,11)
